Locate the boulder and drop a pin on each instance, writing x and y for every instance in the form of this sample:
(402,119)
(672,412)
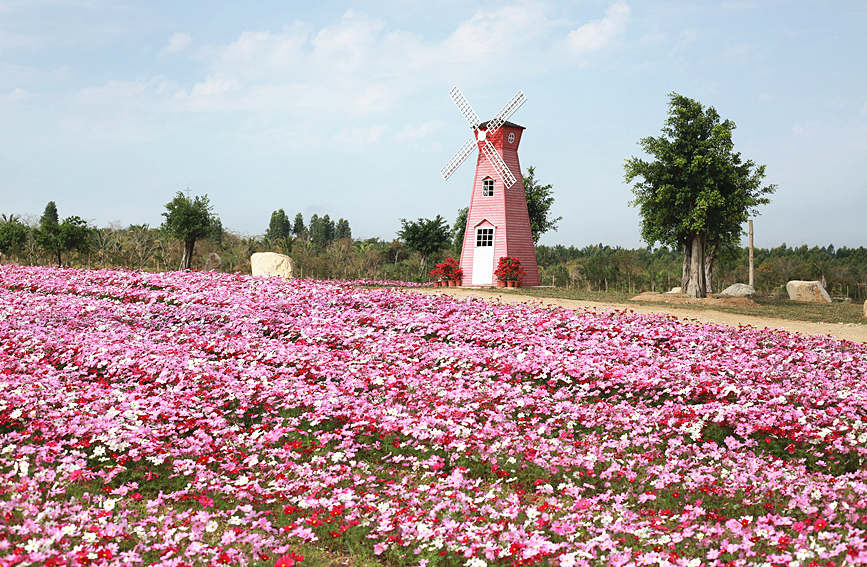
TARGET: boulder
(809,291)
(677,289)
(739,290)
(272,264)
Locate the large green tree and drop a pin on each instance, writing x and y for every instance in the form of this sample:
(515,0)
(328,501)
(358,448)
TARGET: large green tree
(539,200)
(342,230)
(57,237)
(189,219)
(13,235)
(279,228)
(696,192)
(298,228)
(425,236)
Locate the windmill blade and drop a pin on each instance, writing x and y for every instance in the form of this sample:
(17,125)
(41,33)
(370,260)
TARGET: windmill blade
(506,112)
(502,169)
(464,106)
(458,158)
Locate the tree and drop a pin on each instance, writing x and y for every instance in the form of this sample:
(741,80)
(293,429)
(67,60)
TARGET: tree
(425,236)
(279,228)
(74,235)
(48,233)
(459,229)
(298,228)
(539,201)
(342,229)
(188,220)
(328,229)
(13,235)
(319,230)
(697,192)
(56,237)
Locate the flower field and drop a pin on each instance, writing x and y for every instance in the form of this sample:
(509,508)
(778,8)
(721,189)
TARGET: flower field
(203,418)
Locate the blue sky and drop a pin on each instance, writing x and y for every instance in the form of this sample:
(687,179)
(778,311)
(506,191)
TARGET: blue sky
(108,108)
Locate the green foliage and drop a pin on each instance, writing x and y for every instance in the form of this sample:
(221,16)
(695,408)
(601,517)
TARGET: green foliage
(342,230)
(75,234)
(539,201)
(56,238)
(13,235)
(425,236)
(696,184)
(189,219)
(298,228)
(322,230)
(279,227)
(459,229)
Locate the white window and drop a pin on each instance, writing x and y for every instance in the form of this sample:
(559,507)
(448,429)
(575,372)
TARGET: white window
(487,187)
(484,237)
(511,137)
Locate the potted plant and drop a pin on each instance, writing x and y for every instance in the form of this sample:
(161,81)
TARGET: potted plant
(436,275)
(450,271)
(509,272)
(459,277)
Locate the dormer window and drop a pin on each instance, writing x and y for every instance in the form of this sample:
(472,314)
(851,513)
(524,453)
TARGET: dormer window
(487,187)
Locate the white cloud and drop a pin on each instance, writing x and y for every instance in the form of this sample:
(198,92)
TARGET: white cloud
(805,129)
(17,94)
(178,42)
(415,132)
(595,35)
(494,33)
(213,86)
(344,76)
(359,136)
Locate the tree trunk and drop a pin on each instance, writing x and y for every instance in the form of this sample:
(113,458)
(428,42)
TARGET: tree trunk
(187,260)
(709,261)
(693,283)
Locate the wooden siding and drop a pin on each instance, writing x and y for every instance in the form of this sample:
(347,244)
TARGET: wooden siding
(506,210)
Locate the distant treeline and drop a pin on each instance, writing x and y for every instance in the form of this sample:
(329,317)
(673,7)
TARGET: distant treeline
(323,248)
(600,267)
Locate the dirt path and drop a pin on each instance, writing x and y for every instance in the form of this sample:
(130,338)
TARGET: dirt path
(849,331)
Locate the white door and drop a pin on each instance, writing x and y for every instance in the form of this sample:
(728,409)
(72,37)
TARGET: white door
(483,256)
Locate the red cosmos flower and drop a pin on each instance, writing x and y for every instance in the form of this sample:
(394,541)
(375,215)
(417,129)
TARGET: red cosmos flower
(820,523)
(289,560)
(104,553)
(205,501)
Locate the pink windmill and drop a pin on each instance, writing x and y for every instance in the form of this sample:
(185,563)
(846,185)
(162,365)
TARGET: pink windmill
(498,223)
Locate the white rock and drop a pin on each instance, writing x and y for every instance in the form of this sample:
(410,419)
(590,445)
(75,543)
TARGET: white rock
(677,289)
(739,290)
(272,264)
(865,308)
(810,291)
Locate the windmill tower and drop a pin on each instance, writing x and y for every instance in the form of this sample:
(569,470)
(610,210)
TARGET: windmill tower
(498,223)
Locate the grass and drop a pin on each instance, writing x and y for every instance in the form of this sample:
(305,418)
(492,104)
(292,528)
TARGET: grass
(771,307)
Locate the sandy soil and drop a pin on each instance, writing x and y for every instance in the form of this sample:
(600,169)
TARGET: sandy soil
(683,299)
(849,331)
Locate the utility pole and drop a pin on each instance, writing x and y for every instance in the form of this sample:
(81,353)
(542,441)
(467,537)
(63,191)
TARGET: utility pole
(752,282)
